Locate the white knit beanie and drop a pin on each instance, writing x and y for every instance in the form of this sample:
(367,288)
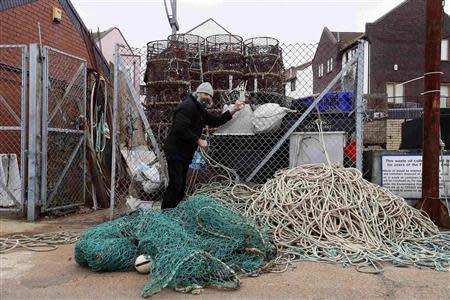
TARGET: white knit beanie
(206,88)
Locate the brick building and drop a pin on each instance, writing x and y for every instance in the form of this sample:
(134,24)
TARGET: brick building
(53,23)
(334,50)
(397,53)
(394,55)
(19,21)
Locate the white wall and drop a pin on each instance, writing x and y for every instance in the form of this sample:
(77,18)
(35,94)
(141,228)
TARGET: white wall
(130,62)
(207,29)
(303,85)
(366,87)
(108,43)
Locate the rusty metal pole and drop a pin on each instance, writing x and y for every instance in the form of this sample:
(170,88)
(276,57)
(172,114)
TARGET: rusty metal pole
(431,203)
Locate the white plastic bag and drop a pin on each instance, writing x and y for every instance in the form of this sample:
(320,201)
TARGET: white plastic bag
(240,124)
(152,178)
(10,177)
(141,163)
(268,117)
(135,203)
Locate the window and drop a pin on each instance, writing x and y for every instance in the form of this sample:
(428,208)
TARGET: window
(444,50)
(348,55)
(320,70)
(395,92)
(293,84)
(329,65)
(444,96)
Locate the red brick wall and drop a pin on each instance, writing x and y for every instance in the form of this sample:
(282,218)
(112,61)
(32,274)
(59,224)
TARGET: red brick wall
(399,38)
(327,49)
(19,26)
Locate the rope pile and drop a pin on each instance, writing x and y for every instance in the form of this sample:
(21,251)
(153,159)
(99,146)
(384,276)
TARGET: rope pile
(330,214)
(40,242)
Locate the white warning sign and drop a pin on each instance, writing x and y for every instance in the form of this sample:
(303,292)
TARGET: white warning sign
(402,175)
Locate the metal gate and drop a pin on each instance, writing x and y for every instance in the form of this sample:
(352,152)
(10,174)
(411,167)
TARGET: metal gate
(13,76)
(63,177)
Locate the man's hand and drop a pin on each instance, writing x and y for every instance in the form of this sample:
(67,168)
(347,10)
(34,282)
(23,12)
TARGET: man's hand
(237,106)
(202,144)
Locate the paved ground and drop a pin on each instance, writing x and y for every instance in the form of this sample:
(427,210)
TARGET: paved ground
(55,275)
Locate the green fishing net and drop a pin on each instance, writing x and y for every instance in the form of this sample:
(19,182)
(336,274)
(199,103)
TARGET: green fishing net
(200,243)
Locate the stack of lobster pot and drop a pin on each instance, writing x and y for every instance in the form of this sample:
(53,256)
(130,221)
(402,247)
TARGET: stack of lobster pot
(264,66)
(195,54)
(167,78)
(224,64)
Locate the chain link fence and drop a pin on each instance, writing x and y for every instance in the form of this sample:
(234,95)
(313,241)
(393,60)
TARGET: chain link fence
(13,72)
(137,164)
(301,108)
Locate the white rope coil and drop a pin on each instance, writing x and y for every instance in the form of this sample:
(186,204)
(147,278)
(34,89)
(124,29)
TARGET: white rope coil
(331,214)
(40,242)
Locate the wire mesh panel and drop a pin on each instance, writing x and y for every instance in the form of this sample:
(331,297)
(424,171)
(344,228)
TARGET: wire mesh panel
(283,131)
(63,130)
(278,127)
(13,75)
(139,128)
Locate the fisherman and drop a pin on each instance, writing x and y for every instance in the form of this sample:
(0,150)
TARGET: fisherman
(189,119)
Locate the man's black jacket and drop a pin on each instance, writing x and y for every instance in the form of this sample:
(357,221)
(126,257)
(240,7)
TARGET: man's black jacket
(189,119)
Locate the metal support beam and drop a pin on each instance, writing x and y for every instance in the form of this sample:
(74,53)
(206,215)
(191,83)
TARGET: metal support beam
(69,87)
(114,130)
(66,169)
(359,106)
(33,132)
(44,125)
(23,133)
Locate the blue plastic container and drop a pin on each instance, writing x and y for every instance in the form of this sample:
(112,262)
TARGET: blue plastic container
(345,101)
(308,101)
(323,105)
(328,102)
(341,101)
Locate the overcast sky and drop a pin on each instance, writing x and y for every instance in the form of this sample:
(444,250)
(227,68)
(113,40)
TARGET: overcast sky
(289,21)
